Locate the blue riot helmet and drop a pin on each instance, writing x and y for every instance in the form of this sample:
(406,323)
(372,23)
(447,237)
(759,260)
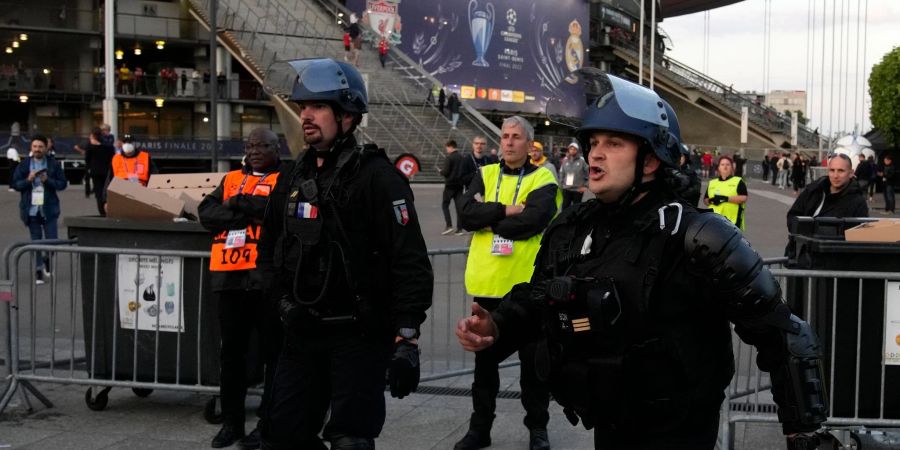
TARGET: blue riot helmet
(614,104)
(318,79)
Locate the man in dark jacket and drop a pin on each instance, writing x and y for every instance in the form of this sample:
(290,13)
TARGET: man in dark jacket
(865,173)
(836,195)
(454,173)
(98,158)
(38,179)
(234,212)
(344,258)
(889,178)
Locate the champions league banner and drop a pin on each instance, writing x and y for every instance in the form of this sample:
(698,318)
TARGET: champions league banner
(509,55)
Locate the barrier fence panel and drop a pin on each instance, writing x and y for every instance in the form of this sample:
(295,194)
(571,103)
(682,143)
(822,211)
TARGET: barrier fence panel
(145,319)
(849,311)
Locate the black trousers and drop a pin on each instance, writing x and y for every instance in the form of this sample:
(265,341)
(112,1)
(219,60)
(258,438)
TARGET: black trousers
(451,193)
(343,372)
(99,189)
(240,313)
(696,434)
(570,198)
(888,197)
(535,394)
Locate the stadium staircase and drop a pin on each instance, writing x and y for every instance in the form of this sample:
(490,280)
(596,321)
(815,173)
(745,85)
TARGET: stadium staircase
(259,32)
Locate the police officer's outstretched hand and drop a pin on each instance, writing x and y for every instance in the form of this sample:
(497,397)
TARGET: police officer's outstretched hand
(403,373)
(478,331)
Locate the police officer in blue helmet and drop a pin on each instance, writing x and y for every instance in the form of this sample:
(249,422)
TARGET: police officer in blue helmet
(343,257)
(633,293)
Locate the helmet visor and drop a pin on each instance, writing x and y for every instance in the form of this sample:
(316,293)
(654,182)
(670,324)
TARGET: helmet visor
(315,75)
(634,100)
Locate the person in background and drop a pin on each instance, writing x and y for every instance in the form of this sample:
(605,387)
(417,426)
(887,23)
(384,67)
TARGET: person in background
(765,167)
(98,160)
(453,105)
(38,178)
(454,175)
(889,178)
(573,174)
(538,158)
(132,165)
(727,194)
(442,99)
(865,174)
(836,195)
(382,51)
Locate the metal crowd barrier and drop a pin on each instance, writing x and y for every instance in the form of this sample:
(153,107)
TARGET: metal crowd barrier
(47,340)
(861,404)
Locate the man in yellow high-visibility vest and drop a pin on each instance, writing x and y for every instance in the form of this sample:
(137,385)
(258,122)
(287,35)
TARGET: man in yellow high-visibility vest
(507,205)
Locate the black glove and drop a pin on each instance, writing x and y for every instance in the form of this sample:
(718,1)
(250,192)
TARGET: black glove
(718,199)
(287,309)
(403,372)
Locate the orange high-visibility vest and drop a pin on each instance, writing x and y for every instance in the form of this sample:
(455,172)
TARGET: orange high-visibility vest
(222,259)
(136,168)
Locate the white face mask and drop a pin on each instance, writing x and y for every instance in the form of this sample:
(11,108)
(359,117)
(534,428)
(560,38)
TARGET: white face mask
(128,149)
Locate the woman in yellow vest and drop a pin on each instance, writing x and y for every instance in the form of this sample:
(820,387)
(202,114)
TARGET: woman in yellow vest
(727,194)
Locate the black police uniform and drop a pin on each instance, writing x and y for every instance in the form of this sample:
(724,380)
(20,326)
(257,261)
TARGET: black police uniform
(345,255)
(638,343)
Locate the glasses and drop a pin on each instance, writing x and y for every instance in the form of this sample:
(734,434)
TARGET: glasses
(838,155)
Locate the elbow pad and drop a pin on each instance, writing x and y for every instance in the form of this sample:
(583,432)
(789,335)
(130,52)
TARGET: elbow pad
(804,402)
(717,251)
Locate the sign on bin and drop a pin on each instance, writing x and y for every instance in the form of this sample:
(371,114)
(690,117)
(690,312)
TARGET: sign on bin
(150,296)
(892,325)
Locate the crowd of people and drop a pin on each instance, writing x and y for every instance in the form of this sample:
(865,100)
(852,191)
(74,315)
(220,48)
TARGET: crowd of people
(621,307)
(169,82)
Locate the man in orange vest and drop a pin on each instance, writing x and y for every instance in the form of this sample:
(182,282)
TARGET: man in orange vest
(234,212)
(132,165)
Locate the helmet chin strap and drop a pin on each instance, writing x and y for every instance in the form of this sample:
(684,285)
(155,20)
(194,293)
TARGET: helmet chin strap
(638,186)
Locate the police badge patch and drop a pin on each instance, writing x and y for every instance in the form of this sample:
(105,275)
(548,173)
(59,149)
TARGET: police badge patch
(401,213)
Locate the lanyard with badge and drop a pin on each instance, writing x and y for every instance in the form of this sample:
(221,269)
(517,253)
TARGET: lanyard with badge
(501,246)
(37,189)
(238,238)
(132,173)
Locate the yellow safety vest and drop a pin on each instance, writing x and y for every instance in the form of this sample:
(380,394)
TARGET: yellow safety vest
(489,275)
(732,211)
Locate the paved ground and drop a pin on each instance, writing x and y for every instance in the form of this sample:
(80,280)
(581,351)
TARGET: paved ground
(175,420)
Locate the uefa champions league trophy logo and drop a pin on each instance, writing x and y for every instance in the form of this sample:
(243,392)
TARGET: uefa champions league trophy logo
(481,24)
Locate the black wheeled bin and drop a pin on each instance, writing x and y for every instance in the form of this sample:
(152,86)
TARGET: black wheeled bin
(836,310)
(176,360)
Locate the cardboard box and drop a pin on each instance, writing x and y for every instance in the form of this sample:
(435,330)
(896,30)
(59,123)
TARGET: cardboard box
(186,180)
(885,230)
(187,187)
(127,200)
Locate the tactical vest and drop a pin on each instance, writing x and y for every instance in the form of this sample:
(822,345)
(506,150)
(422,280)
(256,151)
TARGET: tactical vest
(135,169)
(227,253)
(489,275)
(314,249)
(624,348)
(732,211)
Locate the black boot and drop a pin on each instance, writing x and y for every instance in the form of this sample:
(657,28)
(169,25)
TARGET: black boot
(474,440)
(538,439)
(250,441)
(229,434)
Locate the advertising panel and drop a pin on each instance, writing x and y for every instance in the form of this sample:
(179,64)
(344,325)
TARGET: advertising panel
(509,55)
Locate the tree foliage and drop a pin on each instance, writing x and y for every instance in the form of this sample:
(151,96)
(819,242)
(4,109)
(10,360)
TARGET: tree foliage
(884,88)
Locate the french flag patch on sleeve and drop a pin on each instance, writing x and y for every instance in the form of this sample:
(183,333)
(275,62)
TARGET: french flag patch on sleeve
(307,211)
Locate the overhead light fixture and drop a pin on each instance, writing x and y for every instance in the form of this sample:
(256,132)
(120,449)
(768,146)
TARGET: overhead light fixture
(46,71)
(15,44)
(23,98)
(159,101)
(137,50)
(8,49)
(119,54)
(546,123)
(23,37)
(340,14)
(205,119)
(160,44)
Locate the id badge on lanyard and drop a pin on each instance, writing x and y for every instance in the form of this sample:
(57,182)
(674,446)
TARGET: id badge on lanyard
(236,238)
(501,246)
(37,196)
